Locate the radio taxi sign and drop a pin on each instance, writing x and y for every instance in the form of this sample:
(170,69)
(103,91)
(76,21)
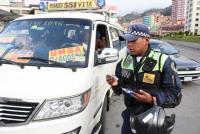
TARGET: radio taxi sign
(74,4)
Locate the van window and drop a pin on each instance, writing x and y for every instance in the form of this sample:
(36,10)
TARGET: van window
(115,33)
(102,37)
(115,38)
(122,43)
(62,40)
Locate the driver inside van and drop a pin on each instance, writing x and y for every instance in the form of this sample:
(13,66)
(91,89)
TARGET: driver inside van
(100,41)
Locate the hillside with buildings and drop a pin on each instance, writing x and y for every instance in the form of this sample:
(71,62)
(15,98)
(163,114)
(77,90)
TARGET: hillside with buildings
(134,15)
(181,16)
(154,18)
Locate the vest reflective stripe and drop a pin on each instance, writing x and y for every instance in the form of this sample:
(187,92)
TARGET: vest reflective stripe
(163,59)
(128,63)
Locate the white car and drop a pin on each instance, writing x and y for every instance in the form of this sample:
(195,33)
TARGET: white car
(53,77)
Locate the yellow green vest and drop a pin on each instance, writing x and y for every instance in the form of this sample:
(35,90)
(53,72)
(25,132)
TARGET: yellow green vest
(142,79)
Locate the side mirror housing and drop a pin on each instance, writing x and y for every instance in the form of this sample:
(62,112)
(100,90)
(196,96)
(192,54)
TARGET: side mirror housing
(108,55)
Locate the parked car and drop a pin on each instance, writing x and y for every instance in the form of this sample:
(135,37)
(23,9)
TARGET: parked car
(188,69)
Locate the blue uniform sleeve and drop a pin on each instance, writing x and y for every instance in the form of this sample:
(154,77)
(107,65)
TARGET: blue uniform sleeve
(117,89)
(170,84)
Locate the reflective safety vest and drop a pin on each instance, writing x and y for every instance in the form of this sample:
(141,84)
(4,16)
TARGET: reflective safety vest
(145,74)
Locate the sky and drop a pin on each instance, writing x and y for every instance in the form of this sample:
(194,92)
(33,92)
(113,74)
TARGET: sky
(127,6)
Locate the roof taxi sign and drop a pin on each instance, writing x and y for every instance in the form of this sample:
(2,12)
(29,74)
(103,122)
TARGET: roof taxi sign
(75,4)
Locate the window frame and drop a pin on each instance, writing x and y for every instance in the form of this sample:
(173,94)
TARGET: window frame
(117,30)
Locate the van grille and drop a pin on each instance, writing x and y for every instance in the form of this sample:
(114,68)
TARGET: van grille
(13,112)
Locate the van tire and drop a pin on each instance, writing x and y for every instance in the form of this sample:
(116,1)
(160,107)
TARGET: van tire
(103,116)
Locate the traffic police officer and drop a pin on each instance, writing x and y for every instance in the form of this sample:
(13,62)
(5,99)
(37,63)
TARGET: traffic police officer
(145,76)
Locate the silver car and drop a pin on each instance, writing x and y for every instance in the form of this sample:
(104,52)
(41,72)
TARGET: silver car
(188,69)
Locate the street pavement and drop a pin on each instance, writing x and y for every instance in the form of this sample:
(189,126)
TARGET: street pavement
(187,113)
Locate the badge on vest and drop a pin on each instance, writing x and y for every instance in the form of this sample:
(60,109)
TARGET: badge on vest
(149,78)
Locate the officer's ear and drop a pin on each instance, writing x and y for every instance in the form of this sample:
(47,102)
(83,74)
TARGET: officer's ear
(147,40)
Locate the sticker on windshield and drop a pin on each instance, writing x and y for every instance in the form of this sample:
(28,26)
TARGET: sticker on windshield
(63,55)
(14,54)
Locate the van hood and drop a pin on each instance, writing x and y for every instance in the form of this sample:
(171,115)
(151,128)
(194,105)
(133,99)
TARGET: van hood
(44,83)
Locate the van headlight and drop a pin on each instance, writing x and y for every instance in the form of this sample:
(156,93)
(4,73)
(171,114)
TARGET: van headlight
(63,106)
(197,68)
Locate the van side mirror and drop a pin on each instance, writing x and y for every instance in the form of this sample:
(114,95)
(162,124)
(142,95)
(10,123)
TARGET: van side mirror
(108,55)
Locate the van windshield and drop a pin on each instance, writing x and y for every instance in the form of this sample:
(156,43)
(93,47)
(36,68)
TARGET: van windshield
(64,41)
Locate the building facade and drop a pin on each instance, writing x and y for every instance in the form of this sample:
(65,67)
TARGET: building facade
(153,22)
(147,20)
(178,11)
(192,16)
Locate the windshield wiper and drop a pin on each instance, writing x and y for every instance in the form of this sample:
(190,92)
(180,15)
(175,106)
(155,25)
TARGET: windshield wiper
(11,62)
(47,61)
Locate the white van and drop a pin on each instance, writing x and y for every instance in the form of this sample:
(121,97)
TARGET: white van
(53,76)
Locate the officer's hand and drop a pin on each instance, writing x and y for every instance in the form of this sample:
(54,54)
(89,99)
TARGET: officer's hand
(143,96)
(111,80)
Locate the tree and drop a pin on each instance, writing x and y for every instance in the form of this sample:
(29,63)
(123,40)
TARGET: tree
(180,33)
(167,11)
(187,33)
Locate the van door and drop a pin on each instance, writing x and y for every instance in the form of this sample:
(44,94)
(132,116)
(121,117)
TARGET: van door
(101,70)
